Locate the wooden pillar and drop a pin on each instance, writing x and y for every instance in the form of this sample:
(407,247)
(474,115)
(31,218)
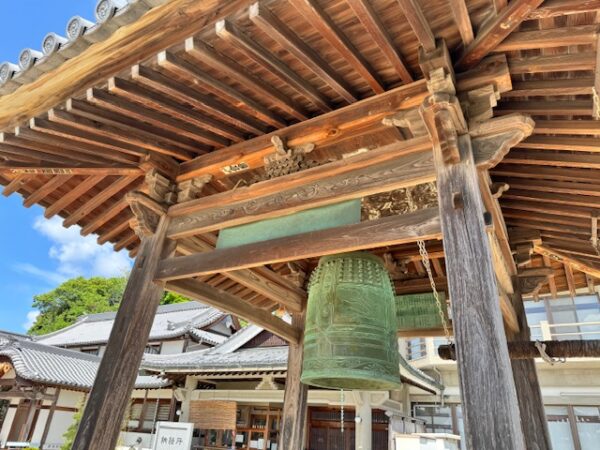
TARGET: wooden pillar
(295,399)
(27,428)
(108,400)
(50,417)
(489,398)
(531,404)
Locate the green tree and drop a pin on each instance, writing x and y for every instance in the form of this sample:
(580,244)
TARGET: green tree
(79,296)
(71,432)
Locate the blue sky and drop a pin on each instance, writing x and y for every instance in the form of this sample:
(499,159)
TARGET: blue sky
(37,254)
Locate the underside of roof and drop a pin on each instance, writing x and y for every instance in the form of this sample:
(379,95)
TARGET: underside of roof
(198,88)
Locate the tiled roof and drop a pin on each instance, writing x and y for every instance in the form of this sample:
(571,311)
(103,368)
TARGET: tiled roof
(80,34)
(40,363)
(170,321)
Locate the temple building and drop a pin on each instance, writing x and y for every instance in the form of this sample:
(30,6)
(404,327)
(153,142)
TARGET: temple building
(338,174)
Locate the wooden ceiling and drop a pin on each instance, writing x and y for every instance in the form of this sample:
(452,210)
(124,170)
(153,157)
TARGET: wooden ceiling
(309,71)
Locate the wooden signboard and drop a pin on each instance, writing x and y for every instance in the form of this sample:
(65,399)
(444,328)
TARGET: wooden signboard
(213,414)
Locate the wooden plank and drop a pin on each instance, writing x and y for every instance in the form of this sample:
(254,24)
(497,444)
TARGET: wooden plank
(295,397)
(231,304)
(87,184)
(391,230)
(568,260)
(568,127)
(44,190)
(370,20)
(97,200)
(576,144)
(462,20)
(495,32)
(317,18)
(540,158)
(548,173)
(69,170)
(546,108)
(17,183)
(103,415)
(161,27)
(418,22)
(287,39)
(568,86)
(549,38)
(557,8)
(409,171)
(231,34)
(553,63)
(192,75)
(201,51)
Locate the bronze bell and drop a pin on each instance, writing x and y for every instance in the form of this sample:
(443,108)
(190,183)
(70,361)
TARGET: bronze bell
(350,336)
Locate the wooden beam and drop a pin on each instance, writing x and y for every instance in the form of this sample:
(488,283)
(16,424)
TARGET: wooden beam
(192,75)
(495,32)
(549,38)
(576,144)
(370,20)
(87,184)
(229,32)
(44,190)
(295,397)
(567,127)
(557,8)
(70,170)
(463,21)
(201,51)
(317,18)
(553,63)
(17,183)
(567,260)
(391,230)
(107,214)
(522,350)
(287,39)
(537,158)
(224,301)
(161,27)
(103,415)
(408,171)
(567,86)
(418,22)
(546,108)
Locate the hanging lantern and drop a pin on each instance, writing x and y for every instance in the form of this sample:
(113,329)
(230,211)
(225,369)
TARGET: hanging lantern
(350,336)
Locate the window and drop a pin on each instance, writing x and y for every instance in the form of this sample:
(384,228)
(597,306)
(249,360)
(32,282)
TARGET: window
(415,349)
(153,349)
(559,427)
(90,350)
(437,419)
(144,414)
(588,426)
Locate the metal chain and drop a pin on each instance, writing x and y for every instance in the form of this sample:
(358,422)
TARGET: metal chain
(342,411)
(438,301)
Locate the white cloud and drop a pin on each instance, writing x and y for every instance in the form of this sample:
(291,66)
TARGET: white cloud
(31,317)
(76,255)
(50,277)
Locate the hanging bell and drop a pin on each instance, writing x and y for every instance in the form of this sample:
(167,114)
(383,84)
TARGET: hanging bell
(350,336)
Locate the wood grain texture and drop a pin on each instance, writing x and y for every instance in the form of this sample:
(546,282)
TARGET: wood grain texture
(295,397)
(418,22)
(103,415)
(391,230)
(160,27)
(495,32)
(481,341)
(232,304)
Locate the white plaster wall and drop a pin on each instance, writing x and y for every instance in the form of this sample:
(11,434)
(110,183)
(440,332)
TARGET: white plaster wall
(70,399)
(60,422)
(220,327)
(10,415)
(172,347)
(40,424)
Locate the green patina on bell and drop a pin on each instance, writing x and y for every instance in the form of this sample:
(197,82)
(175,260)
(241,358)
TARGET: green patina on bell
(350,336)
(419,312)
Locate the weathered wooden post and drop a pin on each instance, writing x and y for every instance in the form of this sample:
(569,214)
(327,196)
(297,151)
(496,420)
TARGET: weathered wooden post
(293,418)
(489,398)
(531,403)
(110,395)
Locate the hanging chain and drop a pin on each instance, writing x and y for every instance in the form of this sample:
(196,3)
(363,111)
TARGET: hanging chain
(342,411)
(438,301)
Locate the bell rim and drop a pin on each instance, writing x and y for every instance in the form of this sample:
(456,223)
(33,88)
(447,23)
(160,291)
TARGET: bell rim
(386,382)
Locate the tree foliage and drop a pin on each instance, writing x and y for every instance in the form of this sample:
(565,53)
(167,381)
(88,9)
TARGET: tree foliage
(79,296)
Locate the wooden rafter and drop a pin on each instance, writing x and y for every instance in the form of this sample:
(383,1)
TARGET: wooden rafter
(64,201)
(495,32)
(463,20)
(567,260)
(418,22)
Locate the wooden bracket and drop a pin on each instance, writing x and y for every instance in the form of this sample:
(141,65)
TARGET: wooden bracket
(286,160)
(479,103)
(160,188)
(533,279)
(147,212)
(191,189)
(408,119)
